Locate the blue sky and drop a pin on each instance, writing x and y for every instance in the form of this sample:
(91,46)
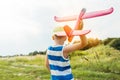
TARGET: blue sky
(26,25)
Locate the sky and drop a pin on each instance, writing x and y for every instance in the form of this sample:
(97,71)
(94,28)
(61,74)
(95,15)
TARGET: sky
(26,25)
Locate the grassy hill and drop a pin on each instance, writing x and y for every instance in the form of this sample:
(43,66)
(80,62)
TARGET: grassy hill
(97,63)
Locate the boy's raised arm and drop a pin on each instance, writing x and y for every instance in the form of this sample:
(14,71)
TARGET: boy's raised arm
(75,46)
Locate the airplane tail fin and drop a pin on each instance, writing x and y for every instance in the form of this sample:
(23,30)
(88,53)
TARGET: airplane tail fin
(79,23)
(68,31)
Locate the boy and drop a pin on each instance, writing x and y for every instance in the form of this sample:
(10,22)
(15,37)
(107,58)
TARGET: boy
(57,60)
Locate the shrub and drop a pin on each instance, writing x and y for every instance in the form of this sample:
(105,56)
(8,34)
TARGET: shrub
(115,43)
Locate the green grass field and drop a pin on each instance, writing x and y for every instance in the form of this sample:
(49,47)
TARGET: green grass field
(96,63)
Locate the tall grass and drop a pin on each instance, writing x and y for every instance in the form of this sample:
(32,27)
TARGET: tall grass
(101,63)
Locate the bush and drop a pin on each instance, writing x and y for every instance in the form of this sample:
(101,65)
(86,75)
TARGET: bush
(36,52)
(115,43)
(107,41)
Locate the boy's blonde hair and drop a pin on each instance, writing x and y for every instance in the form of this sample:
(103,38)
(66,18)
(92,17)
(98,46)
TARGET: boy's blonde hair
(57,29)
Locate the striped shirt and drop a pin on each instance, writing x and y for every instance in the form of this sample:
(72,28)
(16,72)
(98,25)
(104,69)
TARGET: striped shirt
(59,66)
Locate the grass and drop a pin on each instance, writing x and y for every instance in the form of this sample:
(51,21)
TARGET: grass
(98,63)
(23,68)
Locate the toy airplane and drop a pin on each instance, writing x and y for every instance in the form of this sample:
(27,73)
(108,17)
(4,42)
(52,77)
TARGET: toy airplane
(77,29)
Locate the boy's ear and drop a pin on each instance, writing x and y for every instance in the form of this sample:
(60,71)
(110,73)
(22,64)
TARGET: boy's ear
(52,37)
